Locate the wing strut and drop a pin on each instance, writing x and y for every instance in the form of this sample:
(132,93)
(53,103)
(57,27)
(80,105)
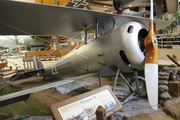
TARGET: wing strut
(97,25)
(86,36)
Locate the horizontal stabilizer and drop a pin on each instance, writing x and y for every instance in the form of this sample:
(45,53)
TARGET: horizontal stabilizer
(24,75)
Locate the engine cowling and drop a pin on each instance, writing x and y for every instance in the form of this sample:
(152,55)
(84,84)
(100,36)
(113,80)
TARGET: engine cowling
(127,47)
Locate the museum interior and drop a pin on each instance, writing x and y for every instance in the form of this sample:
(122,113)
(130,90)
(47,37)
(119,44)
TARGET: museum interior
(89,59)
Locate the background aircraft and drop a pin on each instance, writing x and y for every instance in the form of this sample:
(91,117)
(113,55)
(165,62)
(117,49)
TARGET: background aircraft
(9,43)
(119,42)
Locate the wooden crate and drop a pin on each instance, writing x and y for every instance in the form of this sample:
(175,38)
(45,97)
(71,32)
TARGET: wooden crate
(174,88)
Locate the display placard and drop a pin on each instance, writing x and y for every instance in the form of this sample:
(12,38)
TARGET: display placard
(83,107)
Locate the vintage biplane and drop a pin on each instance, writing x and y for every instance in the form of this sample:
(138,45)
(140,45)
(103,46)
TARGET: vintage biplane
(122,43)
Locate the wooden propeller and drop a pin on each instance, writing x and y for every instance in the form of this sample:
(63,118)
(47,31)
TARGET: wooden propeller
(151,64)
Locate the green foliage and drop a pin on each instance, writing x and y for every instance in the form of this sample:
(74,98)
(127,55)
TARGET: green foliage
(32,107)
(163,17)
(7,88)
(176,15)
(174,19)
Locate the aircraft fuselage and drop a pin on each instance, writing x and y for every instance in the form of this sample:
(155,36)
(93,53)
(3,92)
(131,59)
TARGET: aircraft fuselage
(118,47)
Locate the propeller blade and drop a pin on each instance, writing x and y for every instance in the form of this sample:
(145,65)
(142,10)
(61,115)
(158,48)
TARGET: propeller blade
(151,64)
(151,77)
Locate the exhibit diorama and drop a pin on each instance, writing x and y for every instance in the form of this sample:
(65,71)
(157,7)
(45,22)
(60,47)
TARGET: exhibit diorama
(89,59)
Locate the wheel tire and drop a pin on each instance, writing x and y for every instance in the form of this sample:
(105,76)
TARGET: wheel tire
(142,86)
(118,5)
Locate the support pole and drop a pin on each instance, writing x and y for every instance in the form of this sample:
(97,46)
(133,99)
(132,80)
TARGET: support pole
(130,87)
(30,63)
(114,23)
(115,80)
(100,81)
(86,36)
(97,25)
(159,9)
(137,82)
(133,95)
(24,63)
(27,64)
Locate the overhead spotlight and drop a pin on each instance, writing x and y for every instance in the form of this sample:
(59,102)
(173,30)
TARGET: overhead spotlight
(129,5)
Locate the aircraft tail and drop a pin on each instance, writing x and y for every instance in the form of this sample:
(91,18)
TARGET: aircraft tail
(37,63)
(38,69)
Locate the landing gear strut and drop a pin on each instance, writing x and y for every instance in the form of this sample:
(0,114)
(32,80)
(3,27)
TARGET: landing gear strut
(136,85)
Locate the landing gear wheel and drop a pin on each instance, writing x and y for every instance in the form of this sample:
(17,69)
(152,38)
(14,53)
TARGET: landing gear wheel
(118,5)
(142,86)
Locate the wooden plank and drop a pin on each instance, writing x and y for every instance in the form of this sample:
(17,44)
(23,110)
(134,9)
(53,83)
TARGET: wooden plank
(43,54)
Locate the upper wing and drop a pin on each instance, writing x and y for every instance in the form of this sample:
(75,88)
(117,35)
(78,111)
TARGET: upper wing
(19,18)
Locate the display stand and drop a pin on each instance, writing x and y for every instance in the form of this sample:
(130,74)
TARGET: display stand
(84,106)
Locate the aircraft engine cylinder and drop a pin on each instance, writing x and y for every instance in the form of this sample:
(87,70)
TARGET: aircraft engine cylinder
(130,38)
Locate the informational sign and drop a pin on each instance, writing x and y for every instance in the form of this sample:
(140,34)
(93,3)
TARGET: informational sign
(83,107)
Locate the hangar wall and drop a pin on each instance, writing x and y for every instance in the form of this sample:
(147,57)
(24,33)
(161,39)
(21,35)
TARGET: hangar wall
(162,53)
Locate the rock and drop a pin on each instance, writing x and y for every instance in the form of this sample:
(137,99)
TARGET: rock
(163,77)
(161,90)
(163,82)
(176,100)
(161,66)
(171,102)
(142,116)
(164,73)
(162,117)
(166,69)
(124,118)
(168,102)
(177,69)
(173,111)
(164,95)
(161,102)
(172,65)
(164,87)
